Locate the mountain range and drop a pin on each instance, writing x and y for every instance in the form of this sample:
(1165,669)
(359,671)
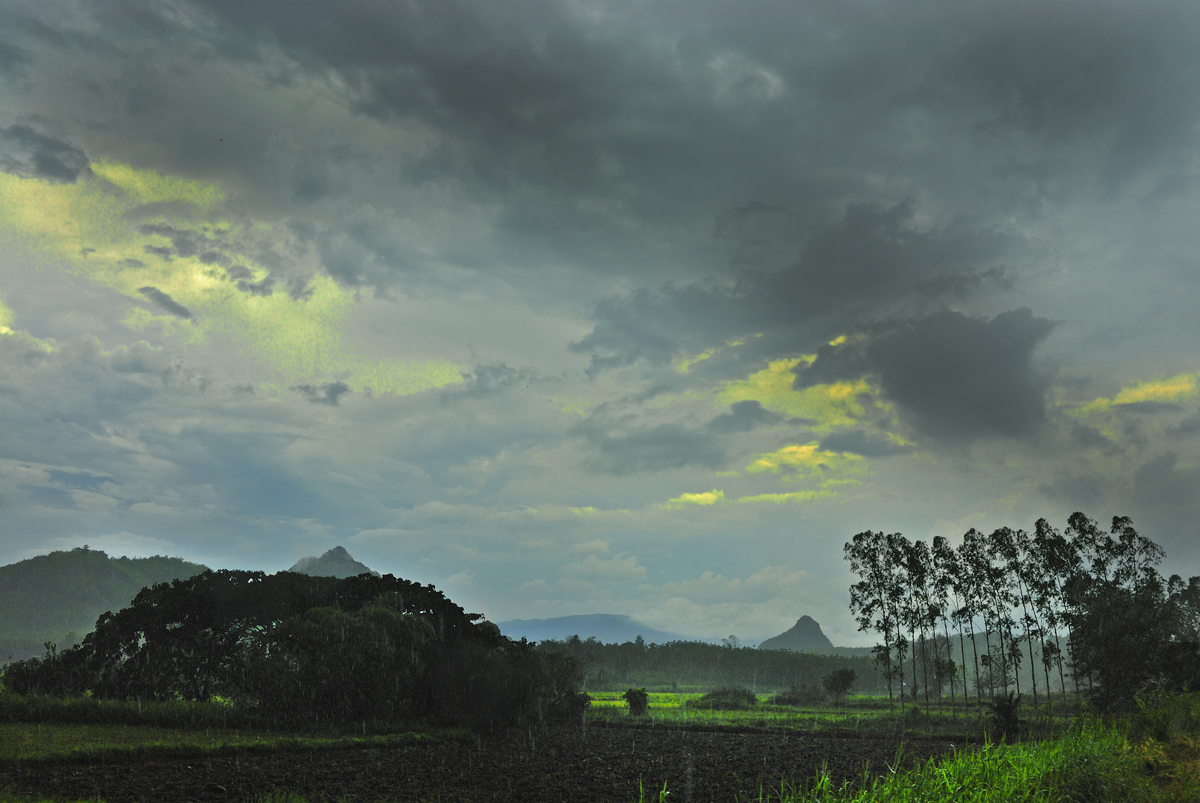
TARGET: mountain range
(609,628)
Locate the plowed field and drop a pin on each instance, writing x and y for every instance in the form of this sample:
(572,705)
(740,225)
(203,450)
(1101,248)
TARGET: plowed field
(599,764)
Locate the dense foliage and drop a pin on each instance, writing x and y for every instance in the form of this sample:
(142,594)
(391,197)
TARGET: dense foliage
(310,650)
(680,664)
(57,597)
(731,698)
(1097,592)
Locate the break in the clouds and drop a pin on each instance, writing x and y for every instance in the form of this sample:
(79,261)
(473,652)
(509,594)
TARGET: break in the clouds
(596,307)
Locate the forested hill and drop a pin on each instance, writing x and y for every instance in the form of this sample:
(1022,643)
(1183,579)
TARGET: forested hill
(57,597)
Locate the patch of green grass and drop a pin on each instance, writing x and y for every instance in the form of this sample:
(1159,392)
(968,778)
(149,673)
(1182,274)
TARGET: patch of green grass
(55,743)
(672,709)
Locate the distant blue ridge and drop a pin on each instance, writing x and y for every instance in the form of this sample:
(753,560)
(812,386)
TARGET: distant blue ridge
(609,628)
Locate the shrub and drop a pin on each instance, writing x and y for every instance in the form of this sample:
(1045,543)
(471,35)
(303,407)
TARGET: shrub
(805,694)
(839,682)
(1005,720)
(639,701)
(732,698)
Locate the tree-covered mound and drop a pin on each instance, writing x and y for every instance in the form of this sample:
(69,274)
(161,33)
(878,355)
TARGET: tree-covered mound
(310,651)
(57,597)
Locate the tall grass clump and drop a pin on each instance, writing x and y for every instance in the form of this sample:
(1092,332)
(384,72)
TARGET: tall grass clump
(1091,765)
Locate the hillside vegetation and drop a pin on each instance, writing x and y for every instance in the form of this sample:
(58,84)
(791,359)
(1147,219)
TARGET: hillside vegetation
(58,597)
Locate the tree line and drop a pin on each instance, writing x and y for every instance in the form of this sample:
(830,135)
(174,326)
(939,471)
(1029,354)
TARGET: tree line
(689,664)
(1084,606)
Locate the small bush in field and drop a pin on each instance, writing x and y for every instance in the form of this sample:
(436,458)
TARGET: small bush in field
(805,694)
(839,683)
(1005,720)
(639,701)
(733,698)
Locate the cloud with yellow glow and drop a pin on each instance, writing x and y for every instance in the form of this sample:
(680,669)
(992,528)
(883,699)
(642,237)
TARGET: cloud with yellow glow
(1170,389)
(794,496)
(807,461)
(114,229)
(832,406)
(704,499)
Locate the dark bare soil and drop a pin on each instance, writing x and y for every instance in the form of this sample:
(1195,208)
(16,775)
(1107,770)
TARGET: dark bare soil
(599,764)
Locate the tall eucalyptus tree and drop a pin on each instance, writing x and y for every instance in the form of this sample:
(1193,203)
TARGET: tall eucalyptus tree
(870,598)
(917,577)
(1000,585)
(1055,561)
(894,549)
(975,564)
(944,570)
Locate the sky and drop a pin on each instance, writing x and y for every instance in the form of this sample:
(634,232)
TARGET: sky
(596,307)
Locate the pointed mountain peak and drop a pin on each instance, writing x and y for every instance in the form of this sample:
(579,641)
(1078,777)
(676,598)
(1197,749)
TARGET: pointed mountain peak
(803,636)
(337,562)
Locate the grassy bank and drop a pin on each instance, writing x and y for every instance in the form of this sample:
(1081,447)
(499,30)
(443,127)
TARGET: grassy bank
(1090,765)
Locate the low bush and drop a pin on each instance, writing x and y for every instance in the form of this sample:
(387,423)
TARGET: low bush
(802,696)
(1005,721)
(639,701)
(732,698)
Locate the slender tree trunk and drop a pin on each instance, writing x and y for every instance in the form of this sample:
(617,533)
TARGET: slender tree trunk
(949,659)
(987,640)
(962,649)
(925,666)
(978,677)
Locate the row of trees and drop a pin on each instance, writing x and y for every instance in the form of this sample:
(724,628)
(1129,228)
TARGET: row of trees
(1029,594)
(310,651)
(693,663)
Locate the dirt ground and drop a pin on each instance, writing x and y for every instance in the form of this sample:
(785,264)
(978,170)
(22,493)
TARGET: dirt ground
(596,764)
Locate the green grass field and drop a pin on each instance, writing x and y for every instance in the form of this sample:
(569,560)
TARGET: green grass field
(867,714)
(52,742)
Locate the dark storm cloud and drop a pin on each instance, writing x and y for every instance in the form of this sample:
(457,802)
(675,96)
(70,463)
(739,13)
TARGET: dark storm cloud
(264,287)
(601,134)
(870,260)
(954,376)
(1188,427)
(329,393)
(1079,491)
(546,88)
(165,302)
(26,151)
(643,450)
(13,59)
(1162,482)
(1090,437)
(743,416)
(857,441)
